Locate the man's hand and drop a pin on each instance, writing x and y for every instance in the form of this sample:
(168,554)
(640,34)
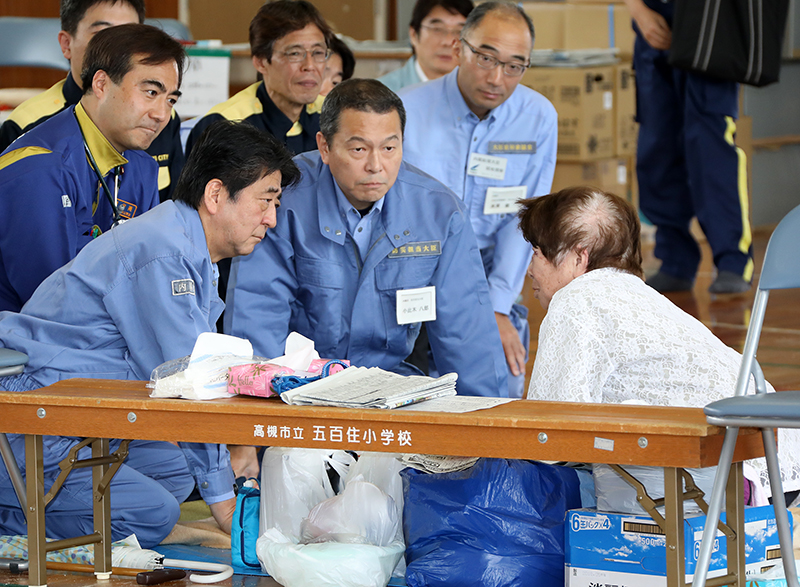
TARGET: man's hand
(512,346)
(223,513)
(651,24)
(244,461)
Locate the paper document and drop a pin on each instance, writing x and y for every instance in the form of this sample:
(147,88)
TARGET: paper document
(459,404)
(362,387)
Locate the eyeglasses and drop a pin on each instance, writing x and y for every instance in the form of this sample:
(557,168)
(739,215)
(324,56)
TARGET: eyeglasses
(440,32)
(487,61)
(299,55)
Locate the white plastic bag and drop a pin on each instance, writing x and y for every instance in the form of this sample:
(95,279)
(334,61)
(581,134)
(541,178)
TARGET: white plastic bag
(615,495)
(361,514)
(330,564)
(293,481)
(383,470)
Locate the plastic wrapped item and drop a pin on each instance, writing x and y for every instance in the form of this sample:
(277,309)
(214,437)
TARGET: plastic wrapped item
(257,378)
(383,470)
(293,481)
(361,514)
(497,524)
(615,495)
(331,564)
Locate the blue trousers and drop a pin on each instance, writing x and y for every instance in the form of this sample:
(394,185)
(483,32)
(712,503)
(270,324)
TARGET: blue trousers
(688,164)
(146,492)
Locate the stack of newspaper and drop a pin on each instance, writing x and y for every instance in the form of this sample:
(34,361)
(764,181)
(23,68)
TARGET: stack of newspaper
(362,387)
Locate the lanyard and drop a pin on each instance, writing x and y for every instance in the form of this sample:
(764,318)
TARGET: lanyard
(112,198)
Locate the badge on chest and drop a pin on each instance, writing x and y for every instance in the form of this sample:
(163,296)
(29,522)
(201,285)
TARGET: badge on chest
(416,305)
(487,166)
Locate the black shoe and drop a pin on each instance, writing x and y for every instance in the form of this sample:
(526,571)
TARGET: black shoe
(728,282)
(663,283)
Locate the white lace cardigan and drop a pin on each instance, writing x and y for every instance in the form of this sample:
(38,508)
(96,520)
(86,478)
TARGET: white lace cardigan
(609,338)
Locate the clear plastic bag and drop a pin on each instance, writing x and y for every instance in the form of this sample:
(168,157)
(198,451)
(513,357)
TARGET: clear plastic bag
(293,481)
(296,492)
(361,514)
(615,495)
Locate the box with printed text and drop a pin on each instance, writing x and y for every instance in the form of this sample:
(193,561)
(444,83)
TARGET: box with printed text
(629,550)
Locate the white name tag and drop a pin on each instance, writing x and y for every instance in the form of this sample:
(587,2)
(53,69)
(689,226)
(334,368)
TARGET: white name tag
(487,166)
(504,200)
(416,305)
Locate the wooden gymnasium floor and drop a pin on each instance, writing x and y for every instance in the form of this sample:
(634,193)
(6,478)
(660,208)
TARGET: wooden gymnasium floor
(727,316)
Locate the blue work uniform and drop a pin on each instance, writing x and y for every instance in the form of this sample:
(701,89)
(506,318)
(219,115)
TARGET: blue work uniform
(132,299)
(441,135)
(52,203)
(312,275)
(688,164)
(402,78)
(166,149)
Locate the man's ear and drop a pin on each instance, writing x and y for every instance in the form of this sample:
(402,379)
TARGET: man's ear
(213,196)
(261,64)
(413,37)
(65,42)
(324,148)
(100,83)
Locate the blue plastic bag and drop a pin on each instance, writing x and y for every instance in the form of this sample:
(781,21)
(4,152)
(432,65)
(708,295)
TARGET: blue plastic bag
(498,524)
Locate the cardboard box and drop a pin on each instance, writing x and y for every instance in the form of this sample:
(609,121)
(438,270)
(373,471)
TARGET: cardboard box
(622,549)
(549,22)
(584,100)
(592,26)
(610,175)
(585,25)
(626,129)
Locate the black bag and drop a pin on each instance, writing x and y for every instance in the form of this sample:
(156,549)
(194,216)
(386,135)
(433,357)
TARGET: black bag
(730,40)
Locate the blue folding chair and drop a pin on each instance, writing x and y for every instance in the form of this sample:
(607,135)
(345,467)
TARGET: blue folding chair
(31,42)
(767,411)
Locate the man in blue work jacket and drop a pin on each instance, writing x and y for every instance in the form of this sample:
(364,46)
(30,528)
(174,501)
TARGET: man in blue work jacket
(132,299)
(80,21)
(76,175)
(492,142)
(366,248)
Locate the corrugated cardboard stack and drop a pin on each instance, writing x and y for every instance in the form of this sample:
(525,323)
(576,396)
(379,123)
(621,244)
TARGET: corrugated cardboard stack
(596,105)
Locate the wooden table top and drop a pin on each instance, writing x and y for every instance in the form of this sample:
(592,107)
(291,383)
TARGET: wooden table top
(555,431)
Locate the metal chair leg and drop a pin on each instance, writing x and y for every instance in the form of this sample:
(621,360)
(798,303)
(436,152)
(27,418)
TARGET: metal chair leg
(715,507)
(778,502)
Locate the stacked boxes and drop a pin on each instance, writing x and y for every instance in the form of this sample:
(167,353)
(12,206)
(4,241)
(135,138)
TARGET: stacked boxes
(630,550)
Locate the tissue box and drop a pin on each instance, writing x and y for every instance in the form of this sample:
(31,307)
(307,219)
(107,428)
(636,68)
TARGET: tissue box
(256,379)
(623,549)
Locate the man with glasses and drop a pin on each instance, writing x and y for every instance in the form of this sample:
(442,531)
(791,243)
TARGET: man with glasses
(492,142)
(434,31)
(289,41)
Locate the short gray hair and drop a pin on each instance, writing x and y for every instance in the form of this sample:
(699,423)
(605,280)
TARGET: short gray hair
(503,7)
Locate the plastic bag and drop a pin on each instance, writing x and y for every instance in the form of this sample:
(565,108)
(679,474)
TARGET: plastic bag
(293,481)
(330,564)
(497,524)
(383,470)
(615,495)
(361,514)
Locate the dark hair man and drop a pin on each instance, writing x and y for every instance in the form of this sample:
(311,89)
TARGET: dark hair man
(366,249)
(434,32)
(134,298)
(340,67)
(84,170)
(80,21)
(289,41)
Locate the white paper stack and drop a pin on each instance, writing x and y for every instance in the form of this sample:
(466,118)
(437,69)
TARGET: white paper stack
(362,387)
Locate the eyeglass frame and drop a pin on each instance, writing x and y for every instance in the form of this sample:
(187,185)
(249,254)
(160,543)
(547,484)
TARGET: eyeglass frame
(442,31)
(496,61)
(305,52)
